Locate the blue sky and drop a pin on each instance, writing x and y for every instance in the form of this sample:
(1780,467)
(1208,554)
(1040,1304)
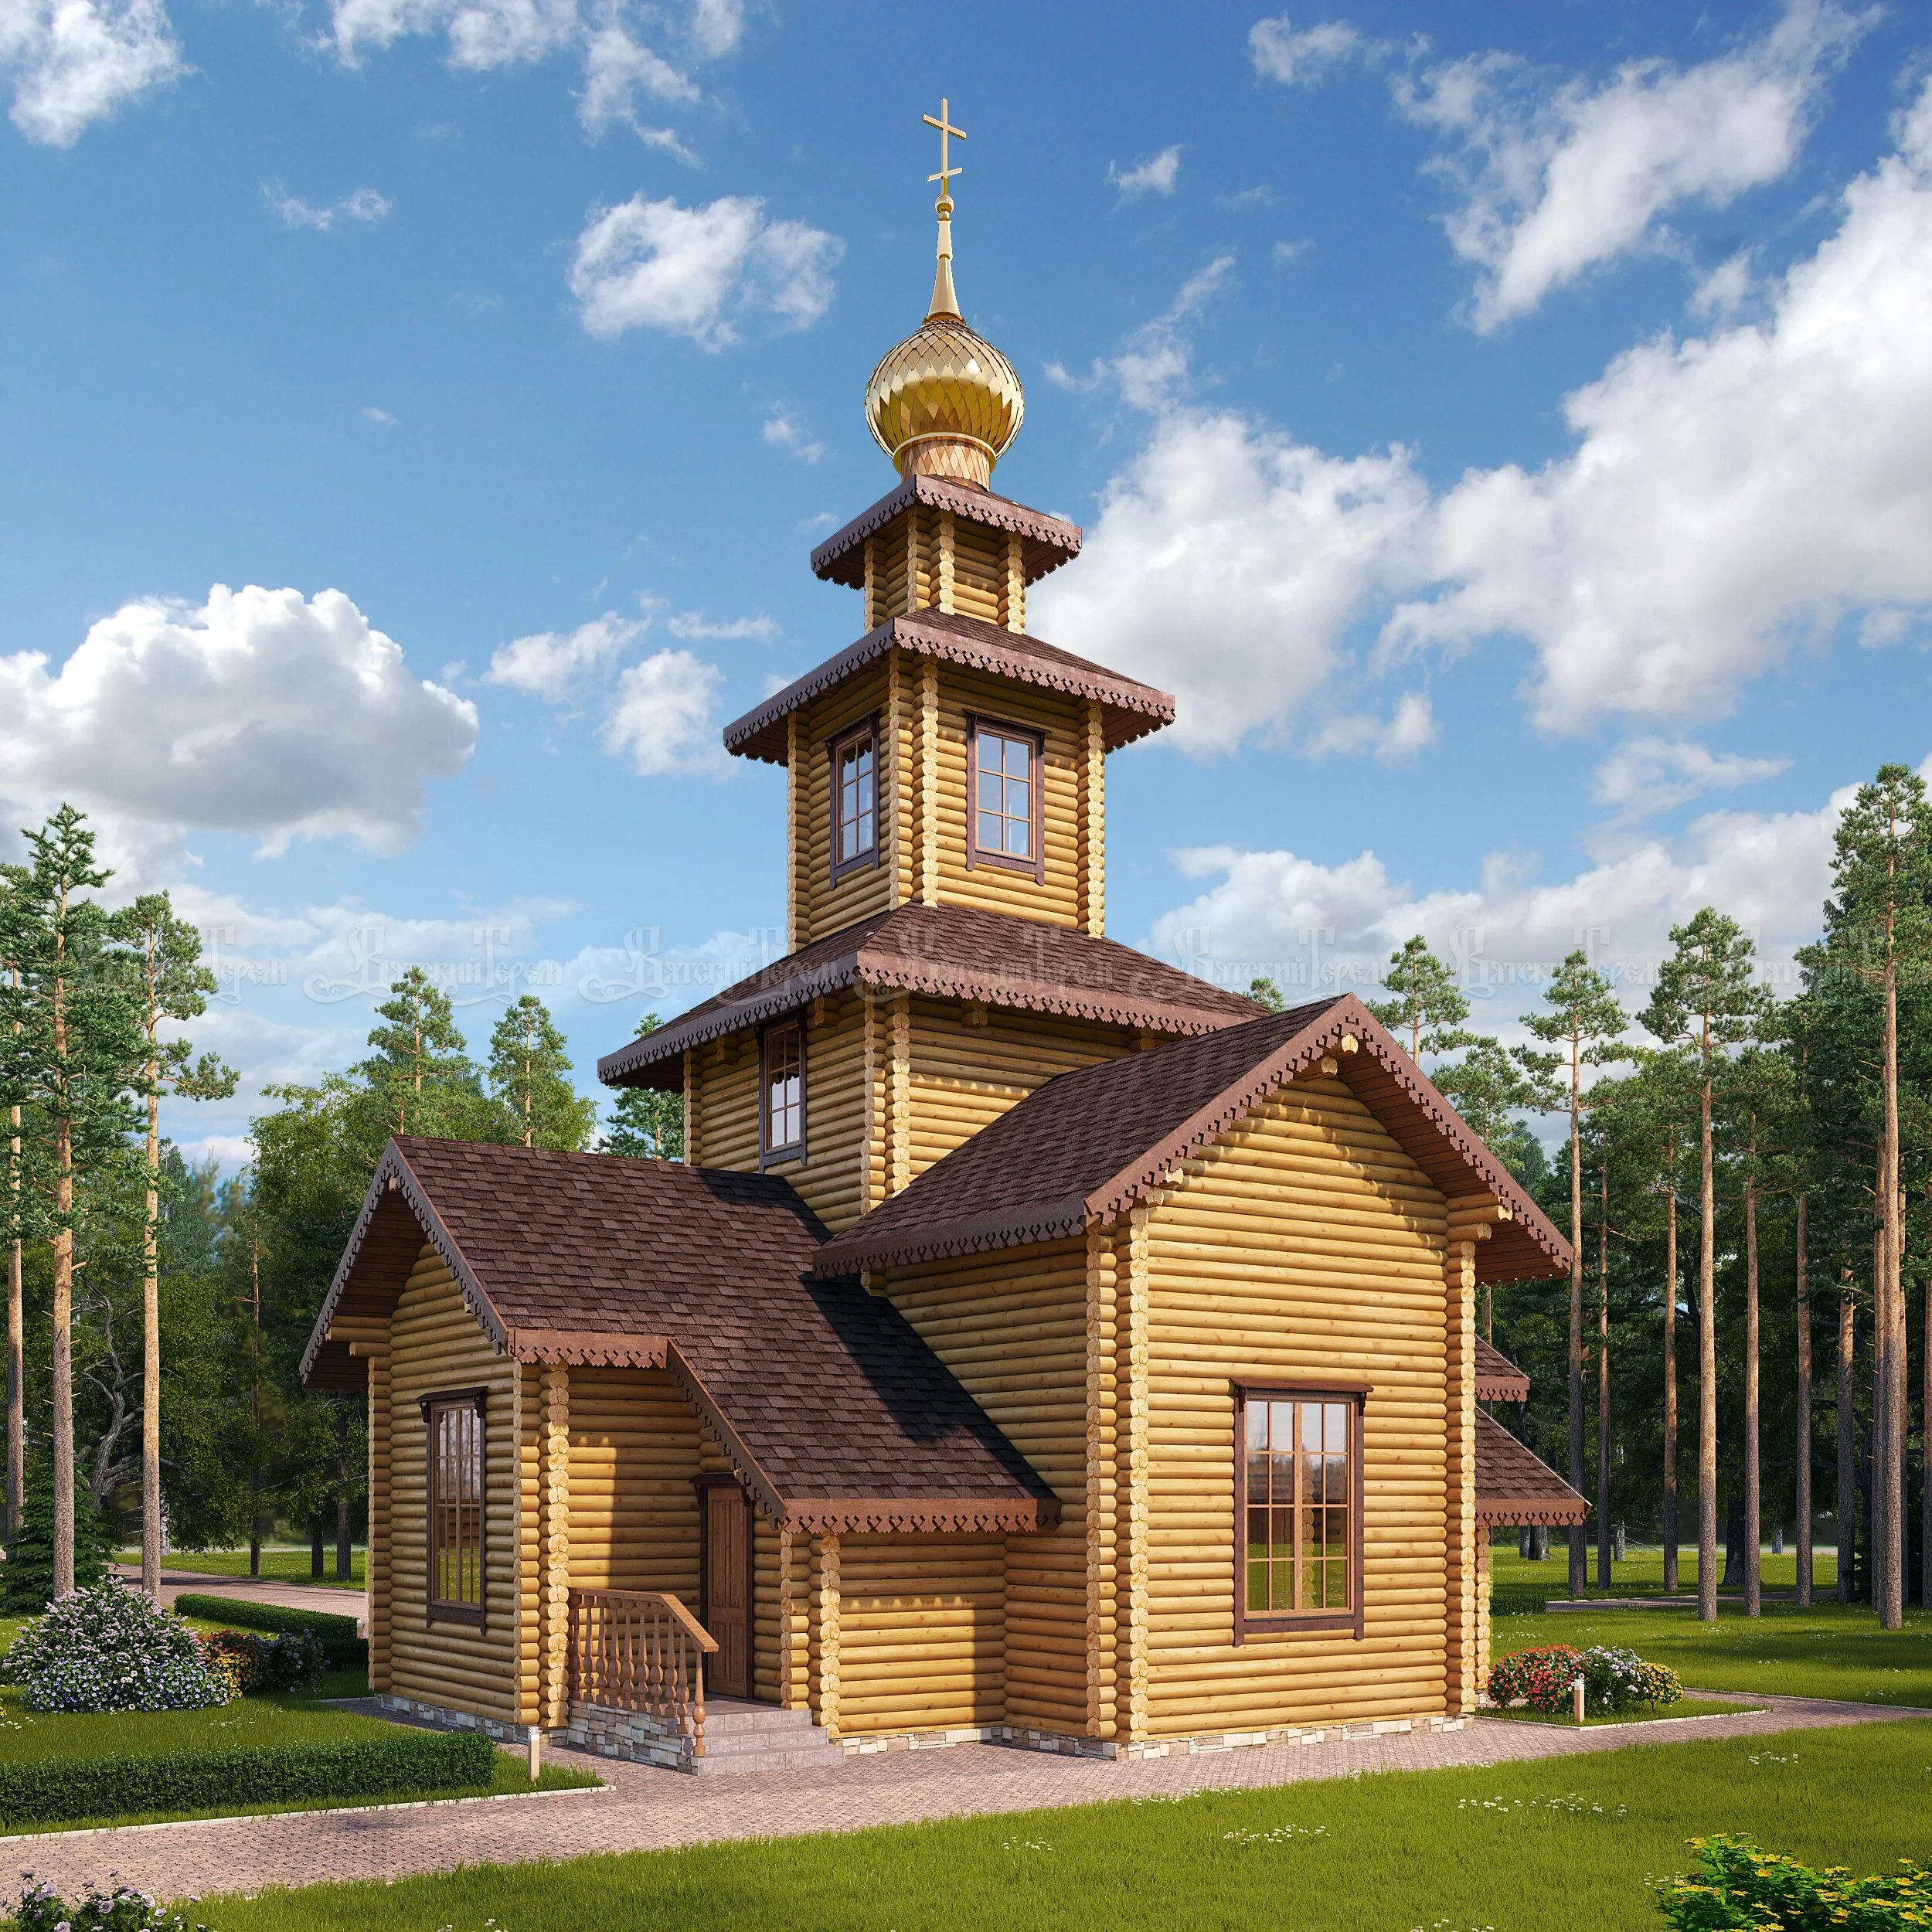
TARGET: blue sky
(1508,430)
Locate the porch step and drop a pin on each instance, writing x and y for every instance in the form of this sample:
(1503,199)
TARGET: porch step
(740,1736)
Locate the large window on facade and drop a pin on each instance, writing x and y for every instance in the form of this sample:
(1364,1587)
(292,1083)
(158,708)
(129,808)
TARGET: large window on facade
(1298,1508)
(455,1472)
(1003,815)
(783,1128)
(855,794)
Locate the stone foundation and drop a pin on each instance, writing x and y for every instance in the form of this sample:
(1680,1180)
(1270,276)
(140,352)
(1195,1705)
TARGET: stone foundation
(454,1720)
(1062,1744)
(628,1734)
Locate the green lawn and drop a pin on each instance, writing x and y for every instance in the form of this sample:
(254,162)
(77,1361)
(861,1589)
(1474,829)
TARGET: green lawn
(1641,1714)
(1829,1651)
(285,1564)
(1515,1846)
(259,1719)
(1641,1573)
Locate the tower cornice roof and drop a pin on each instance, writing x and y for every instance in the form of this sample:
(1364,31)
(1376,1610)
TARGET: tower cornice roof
(1048,541)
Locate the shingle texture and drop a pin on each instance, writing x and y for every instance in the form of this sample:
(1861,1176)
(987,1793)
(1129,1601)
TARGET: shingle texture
(1498,1379)
(1129,709)
(836,1414)
(951,952)
(1047,541)
(1513,1486)
(1084,1146)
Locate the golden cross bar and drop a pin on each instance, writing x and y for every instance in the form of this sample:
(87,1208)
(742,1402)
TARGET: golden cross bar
(944,124)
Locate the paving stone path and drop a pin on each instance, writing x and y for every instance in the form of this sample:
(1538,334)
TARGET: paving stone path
(641,1809)
(259,1589)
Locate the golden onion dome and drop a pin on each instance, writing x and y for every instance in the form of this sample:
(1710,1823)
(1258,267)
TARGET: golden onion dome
(945,402)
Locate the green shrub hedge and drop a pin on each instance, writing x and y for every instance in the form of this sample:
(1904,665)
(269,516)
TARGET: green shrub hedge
(1516,1603)
(51,1791)
(340,1646)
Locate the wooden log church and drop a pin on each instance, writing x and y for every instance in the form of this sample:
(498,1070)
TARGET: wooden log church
(1037,1343)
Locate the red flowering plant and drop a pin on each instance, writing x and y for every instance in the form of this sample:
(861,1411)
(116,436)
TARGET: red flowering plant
(1541,1678)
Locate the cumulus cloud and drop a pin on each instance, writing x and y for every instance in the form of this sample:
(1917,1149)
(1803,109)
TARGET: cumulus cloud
(1299,57)
(665,719)
(546,664)
(1155,175)
(617,68)
(1407,730)
(259,712)
(1648,775)
(1553,183)
(784,431)
(73,62)
(695,624)
(1150,371)
(699,272)
(366,205)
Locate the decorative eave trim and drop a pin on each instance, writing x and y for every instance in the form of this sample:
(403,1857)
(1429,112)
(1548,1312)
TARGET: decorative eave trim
(874,1515)
(1133,709)
(589,1348)
(1496,1511)
(394,1174)
(1056,1220)
(1056,541)
(1500,1388)
(744,1465)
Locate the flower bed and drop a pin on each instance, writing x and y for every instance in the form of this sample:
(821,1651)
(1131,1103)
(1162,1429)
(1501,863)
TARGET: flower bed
(341,1648)
(283,1663)
(108,1648)
(1544,1678)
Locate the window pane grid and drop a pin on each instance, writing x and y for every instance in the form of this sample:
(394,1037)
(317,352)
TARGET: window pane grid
(857,766)
(784,1089)
(1300,1508)
(1003,794)
(456,1504)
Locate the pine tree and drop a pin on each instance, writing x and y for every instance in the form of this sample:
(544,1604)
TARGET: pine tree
(71,1031)
(530,1077)
(12,880)
(27,1582)
(420,1078)
(645,1122)
(1707,997)
(1261,989)
(1425,1002)
(173,986)
(1583,1021)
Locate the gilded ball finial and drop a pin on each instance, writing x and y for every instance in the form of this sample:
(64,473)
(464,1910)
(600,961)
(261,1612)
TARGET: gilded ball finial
(945,402)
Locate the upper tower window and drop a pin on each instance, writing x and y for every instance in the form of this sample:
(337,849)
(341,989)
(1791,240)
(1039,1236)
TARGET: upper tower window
(785,1083)
(855,785)
(1004,821)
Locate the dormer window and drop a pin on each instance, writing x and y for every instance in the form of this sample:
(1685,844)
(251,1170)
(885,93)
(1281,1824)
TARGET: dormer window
(783,1118)
(1003,815)
(855,799)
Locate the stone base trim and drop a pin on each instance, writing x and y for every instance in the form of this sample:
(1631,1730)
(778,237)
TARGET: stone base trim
(455,1720)
(632,1735)
(1065,1745)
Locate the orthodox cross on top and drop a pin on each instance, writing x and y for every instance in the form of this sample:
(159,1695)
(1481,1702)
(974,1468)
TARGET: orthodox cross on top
(944,124)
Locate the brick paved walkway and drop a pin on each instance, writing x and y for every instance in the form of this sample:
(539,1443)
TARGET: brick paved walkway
(641,1809)
(257,1590)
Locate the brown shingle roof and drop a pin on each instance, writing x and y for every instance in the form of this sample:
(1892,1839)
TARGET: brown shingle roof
(1130,709)
(1498,1379)
(951,952)
(1049,541)
(833,1411)
(1084,1147)
(1513,1486)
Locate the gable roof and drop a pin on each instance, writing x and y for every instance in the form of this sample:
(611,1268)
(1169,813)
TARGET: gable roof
(1514,1486)
(1130,709)
(951,952)
(1498,1379)
(833,1412)
(1047,541)
(1084,1147)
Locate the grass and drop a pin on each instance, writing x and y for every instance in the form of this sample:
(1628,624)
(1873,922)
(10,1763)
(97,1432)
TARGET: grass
(283,1564)
(1831,1650)
(1510,1845)
(1684,1707)
(1641,1573)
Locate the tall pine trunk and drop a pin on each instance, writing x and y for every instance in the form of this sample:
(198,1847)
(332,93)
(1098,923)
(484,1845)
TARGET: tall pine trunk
(1888,1447)
(1706,1362)
(17,1339)
(1579,1546)
(1925,1461)
(150,1338)
(1848,1507)
(1801,1502)
(1670,1378)
(1604,1532)
(1753,1471)
(63,1418)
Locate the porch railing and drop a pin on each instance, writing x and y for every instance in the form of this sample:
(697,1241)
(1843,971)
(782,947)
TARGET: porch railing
(641,1650)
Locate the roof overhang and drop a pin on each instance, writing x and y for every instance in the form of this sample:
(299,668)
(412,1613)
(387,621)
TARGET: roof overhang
(1514,1485)
(1498,1379)
(1047,541)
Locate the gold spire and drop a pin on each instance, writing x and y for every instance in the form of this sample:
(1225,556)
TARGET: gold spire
(945,402)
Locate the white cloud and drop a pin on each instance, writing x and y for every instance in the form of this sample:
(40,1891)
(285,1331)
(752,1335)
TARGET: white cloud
(73,63)
(665,718)
(258,712)
(695,624)
(697,271)
(1726,291)
(1151,370)
(1155,175)
(1407,730)
(1227,561)
(784,430)
(381,418)
(482,34)
(617,68)
(1648,775)
(716,26)
(366,205)
(1300,57)
(1553,184)
(547,663)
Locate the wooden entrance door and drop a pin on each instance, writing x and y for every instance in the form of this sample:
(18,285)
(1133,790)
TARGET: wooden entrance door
(727,1609)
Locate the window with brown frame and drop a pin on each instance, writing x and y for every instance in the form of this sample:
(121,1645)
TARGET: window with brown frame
(1003,814)
(854,800)
(455,1459)
(1297,1509)
(784,1115)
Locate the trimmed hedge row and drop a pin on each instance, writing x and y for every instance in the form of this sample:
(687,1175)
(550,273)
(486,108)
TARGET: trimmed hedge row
(50,1790)
(342,1648)
(1517,1603)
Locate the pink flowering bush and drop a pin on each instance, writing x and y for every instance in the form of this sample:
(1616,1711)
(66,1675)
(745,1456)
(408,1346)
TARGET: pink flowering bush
(1613,1680)
(124,1910)
(109,1648)
(1541,1678)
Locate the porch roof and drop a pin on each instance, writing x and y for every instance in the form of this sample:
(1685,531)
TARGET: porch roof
(1514,1486)
(1498,1379)
(832,1411)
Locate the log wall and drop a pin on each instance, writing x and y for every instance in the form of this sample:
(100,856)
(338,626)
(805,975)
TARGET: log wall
(921,1632)
(634,1453)
(1304,1245)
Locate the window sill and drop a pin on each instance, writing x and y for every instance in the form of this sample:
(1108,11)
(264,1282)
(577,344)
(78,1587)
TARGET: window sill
(864,862)
(456,1614)
(1328,1622)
